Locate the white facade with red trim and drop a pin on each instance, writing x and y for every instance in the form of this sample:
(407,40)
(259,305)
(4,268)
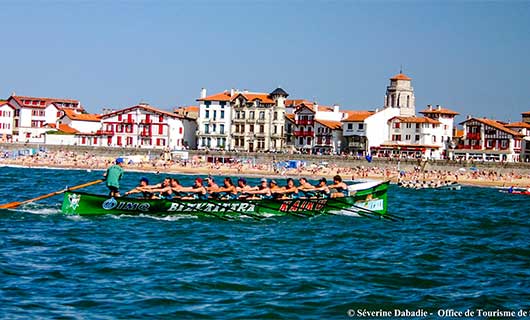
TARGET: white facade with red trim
(32,114)
(142,126)
(7,115)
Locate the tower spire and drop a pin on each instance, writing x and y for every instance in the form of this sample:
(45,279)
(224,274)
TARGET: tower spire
(400,68)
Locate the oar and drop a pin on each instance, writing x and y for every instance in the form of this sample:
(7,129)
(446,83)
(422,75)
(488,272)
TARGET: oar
(16,204)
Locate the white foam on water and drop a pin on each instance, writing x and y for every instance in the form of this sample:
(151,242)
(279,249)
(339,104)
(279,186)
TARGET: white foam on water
(160,218)
(39,209)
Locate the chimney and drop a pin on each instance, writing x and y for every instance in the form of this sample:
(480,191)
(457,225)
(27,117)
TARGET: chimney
(14,94)
(245,91)
(232,91)
(468,117)
(335,108)
(203,93)
(429,106)
(438,107)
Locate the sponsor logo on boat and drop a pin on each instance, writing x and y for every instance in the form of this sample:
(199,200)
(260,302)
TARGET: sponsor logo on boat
(212,207)
(73,200)
(112,203)
(302,205)
(374,205)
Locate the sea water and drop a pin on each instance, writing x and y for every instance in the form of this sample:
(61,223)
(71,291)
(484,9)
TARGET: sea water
(456,252)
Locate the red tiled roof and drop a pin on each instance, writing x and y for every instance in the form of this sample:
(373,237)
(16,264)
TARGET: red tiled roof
(356,116)
(440,110)
(400,76)
(518,125)
(63,128)
(223,96)
(4,102)
(263,97)
(41,101)
(82,116)
(495,124)
(187,109)
(296,102)
(145,107)
(333,125)
(527,113)
(415,120)
(290,117)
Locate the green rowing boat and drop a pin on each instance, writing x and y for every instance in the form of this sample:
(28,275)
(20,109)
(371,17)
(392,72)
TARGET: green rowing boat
(364,198)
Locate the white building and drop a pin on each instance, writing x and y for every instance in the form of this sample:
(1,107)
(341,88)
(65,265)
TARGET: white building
(489,140)
(143,126)
(214,121)
(242,120)
(7,114)
(82,122)
(32,114)
(304,131)
(354,132)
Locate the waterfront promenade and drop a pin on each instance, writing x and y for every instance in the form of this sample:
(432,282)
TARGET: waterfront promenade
(268,164)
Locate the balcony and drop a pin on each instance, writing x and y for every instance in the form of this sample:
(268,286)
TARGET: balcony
(105,132)
(145,134)
(239,120)
(305,122)
(473,136)
(304,133)
(324,134)
(262,120)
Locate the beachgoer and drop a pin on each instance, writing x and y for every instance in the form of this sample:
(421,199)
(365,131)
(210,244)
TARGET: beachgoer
(113,176)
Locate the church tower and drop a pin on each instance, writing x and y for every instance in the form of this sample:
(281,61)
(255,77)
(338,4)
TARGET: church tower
(400,94)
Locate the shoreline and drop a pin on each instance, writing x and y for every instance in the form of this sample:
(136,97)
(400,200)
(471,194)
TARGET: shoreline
(261,172)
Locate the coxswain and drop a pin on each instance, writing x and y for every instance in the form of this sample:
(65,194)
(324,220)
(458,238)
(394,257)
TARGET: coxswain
(113,176)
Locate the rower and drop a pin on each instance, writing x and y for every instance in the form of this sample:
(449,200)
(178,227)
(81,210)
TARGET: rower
(210,184)
(260,192)
(227,191)
(290,191)
(275,190)
(322,188)
(141,189)
(198,191)
(306,188)
(242,188)
(165,190)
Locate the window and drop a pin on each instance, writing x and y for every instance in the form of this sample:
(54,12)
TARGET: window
(251,115)
(261,128)
(409,125)
(251,128)
(417,138)
(222,114)
(180,130)
(222,129)
(396,137)
(407,137)
(361,126)
(350,126)
(203,142)
(222,103)
(397,125)
(275,131)
(489,143)
(215,114)
(242,114)
(161,119)
(119,117)
(433,138)
(129,118)
(214,128)
(207,114)
(504,144)
(301,140)
(275,116)
(83,140)
(95,140)
(262,115)
(206,128)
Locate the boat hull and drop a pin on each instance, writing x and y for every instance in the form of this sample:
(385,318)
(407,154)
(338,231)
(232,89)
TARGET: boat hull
(371,199)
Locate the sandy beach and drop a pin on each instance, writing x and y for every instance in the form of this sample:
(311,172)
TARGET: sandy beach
(70,160)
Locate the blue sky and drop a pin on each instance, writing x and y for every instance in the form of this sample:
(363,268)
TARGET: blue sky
(472,57)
